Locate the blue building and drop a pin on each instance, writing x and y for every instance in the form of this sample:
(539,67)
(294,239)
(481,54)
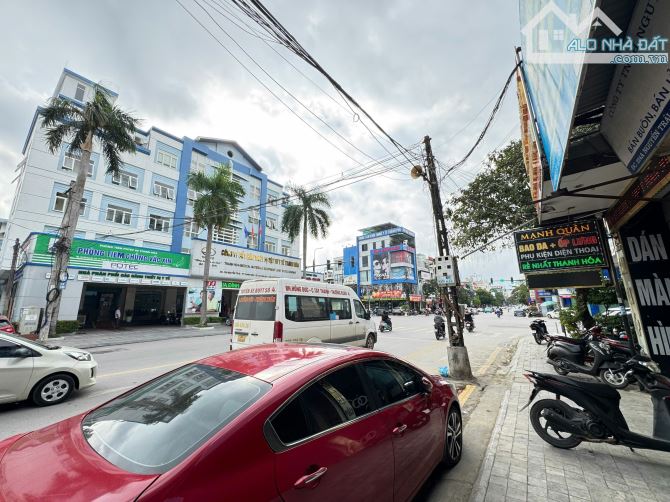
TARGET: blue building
(382,265)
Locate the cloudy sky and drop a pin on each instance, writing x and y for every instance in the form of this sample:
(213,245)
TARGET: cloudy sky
(427,67)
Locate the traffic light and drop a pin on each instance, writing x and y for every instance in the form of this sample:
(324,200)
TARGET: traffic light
(511,279)
(491,280)
(327,264)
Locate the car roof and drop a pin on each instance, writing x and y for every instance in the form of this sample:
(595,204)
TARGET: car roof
(272,361)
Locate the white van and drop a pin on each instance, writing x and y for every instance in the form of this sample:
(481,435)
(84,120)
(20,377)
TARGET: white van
(299,311)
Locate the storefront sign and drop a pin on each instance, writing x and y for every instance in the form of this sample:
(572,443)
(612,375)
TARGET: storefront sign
(230,262)
(646,242)
(637,111)
(230,285)
(116,257)
(415,298)
(560,248)
(123,278)
(394,294)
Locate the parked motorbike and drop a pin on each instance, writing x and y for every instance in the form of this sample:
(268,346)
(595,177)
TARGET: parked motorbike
(385,326)
(440,329)
(597,417)
(592,355)
(469,326)
(538,329)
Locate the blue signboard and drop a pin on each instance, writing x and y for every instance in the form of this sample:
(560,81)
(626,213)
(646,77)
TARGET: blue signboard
(551,73)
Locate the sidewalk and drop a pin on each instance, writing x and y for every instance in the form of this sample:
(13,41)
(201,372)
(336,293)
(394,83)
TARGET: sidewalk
(520,466)
(108,337)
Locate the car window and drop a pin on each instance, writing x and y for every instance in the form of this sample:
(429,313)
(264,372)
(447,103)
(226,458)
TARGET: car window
(331,401)
(392,382)
(256,307)
(305,308)
(7,349)
(153,428)
(341,308)
(360,310)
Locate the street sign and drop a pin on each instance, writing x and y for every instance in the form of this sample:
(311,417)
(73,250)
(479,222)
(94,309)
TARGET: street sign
(563,248)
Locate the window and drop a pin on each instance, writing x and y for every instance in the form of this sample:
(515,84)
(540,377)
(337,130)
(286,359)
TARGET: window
(191,229)
(559,35)
(166,159)
(7,348)
(125,179)
(365,261)
(392,382)
(256,307)
(335,399)
(60,202)
(383,244)
(286,250)
(254,216)
(159,223)
(191,196)
(341,308)
(270,247)
(364,247)
(305,308)
(71,161)
(118,214)
(163,191)
(365,276)
(79,93)
(271,223)
(255,192)
(198,162)
(359,309)
(252,241)
(374,245)
(153,428)
(226,235)
(273,198)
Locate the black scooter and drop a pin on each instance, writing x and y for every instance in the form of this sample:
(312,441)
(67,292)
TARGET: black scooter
(539,330)
(598,417)
(591,357)
(440,329)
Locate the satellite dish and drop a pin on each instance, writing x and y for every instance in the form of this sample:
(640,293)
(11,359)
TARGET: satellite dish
(416,172)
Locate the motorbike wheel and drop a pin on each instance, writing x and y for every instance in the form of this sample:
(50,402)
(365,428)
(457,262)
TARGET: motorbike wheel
(556,438)
(561,371)
(613,379)
(538,339)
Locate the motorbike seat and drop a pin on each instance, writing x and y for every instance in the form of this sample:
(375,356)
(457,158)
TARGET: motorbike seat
(595,388)
(569,347)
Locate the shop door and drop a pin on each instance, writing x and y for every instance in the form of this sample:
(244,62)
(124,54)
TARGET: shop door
(105,308)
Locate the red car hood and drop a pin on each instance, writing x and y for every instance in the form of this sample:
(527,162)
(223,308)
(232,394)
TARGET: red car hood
(56,463)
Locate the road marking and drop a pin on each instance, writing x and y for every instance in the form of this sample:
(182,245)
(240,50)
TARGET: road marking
(148,368)
(464,395)
(491,359)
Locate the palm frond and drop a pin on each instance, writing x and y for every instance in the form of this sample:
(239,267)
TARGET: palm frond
(291,222)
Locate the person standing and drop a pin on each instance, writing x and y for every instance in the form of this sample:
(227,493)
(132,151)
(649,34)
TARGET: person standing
(117,317)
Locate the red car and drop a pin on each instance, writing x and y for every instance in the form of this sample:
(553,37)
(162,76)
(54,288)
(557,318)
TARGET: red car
(6,326)
(272,422)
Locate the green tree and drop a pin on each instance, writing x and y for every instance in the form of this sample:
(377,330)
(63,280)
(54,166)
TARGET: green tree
(218,198)
(306,215)
(466,296)
(520,294)
(430,288)
(484,297)
(497,201)
(498,298)
(97,123)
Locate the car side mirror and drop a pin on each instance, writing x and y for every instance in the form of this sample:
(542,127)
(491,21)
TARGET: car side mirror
(23,352)
(367,315)
(427,385)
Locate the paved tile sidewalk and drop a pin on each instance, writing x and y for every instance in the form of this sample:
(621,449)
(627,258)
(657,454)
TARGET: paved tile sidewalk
(520,466)
(110,337)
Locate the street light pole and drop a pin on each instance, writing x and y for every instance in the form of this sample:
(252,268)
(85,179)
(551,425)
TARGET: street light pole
(457,353)
(314,259)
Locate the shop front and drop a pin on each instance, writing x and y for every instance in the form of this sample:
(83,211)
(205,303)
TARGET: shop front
(148,286)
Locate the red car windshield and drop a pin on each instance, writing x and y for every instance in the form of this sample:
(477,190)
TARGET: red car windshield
(153,428)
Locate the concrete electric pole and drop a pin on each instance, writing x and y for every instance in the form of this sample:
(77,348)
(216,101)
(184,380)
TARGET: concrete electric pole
(8,298)
(457,353)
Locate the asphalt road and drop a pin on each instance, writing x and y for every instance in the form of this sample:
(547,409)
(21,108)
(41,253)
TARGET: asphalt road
(124,366)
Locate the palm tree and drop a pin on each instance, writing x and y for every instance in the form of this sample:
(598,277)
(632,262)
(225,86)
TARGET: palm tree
(98,121)
(218,198)
(306,215)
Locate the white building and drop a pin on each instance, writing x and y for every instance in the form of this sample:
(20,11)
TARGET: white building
(147,206)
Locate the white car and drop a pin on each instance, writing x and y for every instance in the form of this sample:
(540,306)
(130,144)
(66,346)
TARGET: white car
(45,374)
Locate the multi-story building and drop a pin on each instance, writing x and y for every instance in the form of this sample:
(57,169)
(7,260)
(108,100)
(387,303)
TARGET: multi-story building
(3,230)
(145,209)
(382,265)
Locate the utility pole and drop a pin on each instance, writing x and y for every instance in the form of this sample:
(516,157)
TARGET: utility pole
(459,362)
(9,287)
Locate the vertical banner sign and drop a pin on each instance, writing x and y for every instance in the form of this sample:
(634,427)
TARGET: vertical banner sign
(646,241)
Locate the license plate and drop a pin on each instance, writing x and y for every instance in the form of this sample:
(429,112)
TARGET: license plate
(241,338)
